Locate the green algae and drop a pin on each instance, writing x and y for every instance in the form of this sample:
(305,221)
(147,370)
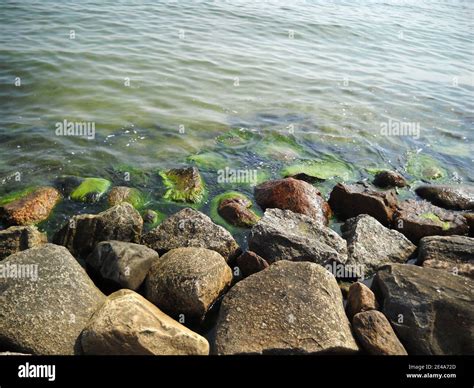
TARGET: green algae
(91,190)
(433,217)
(183,185)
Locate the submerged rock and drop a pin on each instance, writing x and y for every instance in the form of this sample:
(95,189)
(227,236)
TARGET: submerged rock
(127,324)
(209,160)
(349,201)
(183,185)
(90,190)
(328,168)
(190,228)
(425,167)
(120,194)
(284,235)
(19,238)
(418,219)
(29,207)
(289,308)
(458,197)
(430,310)
(386,179)
(122,263)
(451,253)
(371,245)
(360,298)
(375,334)
(249,263)
(188,281)
(236,209)
(295,195)
(82,232)
(45,314)
(66,184)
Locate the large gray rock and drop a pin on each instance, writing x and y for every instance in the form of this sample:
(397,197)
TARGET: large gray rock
(451,253)
(459,197)
(19,238)
(80,235)
(284,235)
(289,308)
(375,334)
(44,314)
(430,310)
(188,281)
(122,263)
(190,228)
(128,324)
(371,245)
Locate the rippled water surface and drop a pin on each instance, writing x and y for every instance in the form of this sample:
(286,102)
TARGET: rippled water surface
(161,80)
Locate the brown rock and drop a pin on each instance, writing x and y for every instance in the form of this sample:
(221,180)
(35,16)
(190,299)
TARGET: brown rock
(250,263)
(295,195)
(19,238)
(360,298)
(463,269)
(237,212)
(389,179)
(418,219)
(469,217)
(32,208)
(349,201)
(459,197)
(375,334)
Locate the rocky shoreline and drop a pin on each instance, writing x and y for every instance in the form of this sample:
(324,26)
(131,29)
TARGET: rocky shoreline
(129,280)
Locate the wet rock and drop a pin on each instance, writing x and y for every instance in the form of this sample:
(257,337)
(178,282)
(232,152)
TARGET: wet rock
(295,195)
(183,185)
(31,208)
(19,238)
(190,228)
(418,219)
(128,324)
(120,194)
(284,235)
(360,298)
(90,190)
(424,167)
(349,201)
(430,310)
(249,263)
(82,232)
(458,197)
(386,179)
(188,281)
(375,334)
(371,245)
(289,308)
(451,253)
(469,217)
(122,263)
(237,212)
(44,313)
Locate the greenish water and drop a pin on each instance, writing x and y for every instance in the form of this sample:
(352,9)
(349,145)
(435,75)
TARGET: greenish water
(162,81)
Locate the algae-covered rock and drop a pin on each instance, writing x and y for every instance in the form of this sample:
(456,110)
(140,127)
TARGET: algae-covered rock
(131,195)
(233,208)
(90,190)
(66,184)
(208,160)
(277,146)
(323,169)
(153,217)
(183,185)
(425,167)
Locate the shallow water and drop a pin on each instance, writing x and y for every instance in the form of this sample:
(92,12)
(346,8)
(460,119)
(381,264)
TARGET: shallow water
(325,74)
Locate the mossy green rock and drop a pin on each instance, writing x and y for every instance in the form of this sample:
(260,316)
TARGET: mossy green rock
(208,160)
(13,196)
(90,190)
(328,168)
(131,195)
(281,147)
(183,185)
(425,167)
(247,218)
(153,217)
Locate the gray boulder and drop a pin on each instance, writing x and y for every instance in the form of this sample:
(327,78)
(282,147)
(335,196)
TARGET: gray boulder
(371,245)
(188,281)
(190,228)
(284,235)
(127,324)
(122,263)
(19,238)
(289,308)
(45,312)
(430,310)
(80,235)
